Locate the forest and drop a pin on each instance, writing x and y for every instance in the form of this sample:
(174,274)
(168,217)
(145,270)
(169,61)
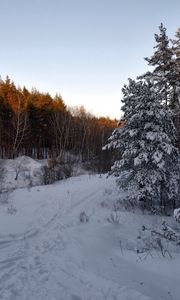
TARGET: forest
(38,125)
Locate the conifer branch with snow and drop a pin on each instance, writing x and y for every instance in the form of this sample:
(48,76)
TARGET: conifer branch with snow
(146,143)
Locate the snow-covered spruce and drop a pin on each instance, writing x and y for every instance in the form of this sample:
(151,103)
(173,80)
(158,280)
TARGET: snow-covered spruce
(166,73)
(146,145)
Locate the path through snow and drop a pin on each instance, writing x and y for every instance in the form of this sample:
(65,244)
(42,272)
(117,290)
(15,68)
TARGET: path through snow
(46,253)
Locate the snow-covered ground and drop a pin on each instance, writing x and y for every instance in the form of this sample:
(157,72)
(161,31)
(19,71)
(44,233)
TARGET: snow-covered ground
(20,172)
(47,253)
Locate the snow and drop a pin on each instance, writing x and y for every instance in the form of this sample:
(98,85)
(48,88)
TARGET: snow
(143,157)
(47,253)
(158,156)
(21,172)
(177,214)
(151,135)
(132,132)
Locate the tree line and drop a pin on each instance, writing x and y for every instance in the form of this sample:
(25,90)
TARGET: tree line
(41,126)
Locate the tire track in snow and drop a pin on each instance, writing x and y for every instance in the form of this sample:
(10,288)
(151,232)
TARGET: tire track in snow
(17,267)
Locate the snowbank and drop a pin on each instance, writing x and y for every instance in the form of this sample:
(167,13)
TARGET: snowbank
(21,172)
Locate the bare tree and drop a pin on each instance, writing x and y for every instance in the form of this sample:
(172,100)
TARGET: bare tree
(20,127)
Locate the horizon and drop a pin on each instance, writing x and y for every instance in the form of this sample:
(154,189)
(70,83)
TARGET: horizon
(69,107)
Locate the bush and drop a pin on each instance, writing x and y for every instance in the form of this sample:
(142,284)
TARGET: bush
(56,171)
(83,218)
(114,217)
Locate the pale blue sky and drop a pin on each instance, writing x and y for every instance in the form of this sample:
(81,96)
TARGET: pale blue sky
(83,49)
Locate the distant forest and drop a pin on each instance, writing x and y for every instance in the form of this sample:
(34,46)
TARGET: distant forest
(41,126)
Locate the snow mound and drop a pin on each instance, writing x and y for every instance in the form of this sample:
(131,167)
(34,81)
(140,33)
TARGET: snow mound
(21,172)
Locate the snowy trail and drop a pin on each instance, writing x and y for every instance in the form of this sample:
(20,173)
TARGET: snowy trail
(25,250)
(45,253)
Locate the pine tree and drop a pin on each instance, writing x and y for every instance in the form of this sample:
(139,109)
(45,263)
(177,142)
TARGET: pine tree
(175,84)
(162,61)
(176,52)
(149,160)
